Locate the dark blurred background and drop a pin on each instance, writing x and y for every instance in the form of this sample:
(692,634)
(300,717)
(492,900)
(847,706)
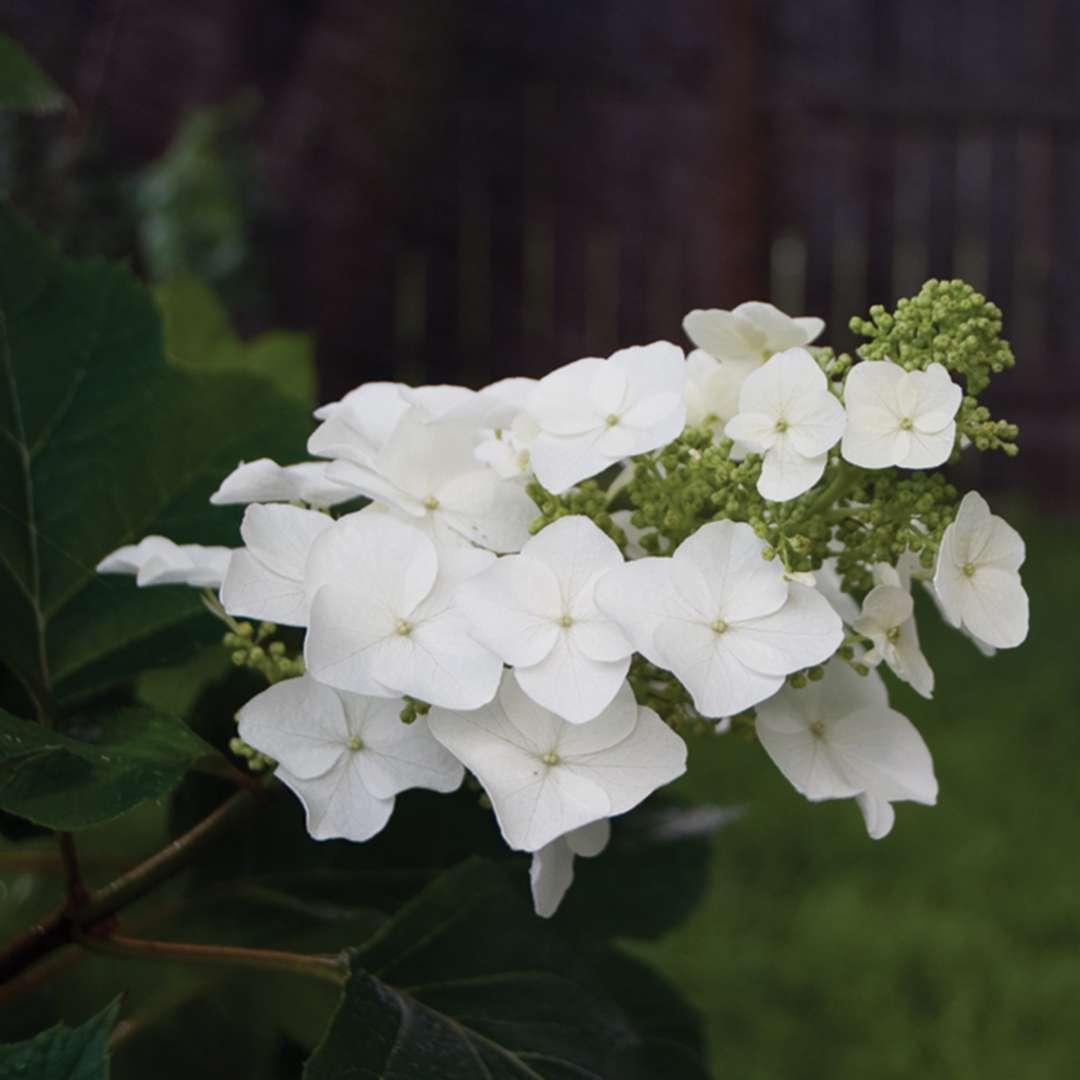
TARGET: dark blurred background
(460,191)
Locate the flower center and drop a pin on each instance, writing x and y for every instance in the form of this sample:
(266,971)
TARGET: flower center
(431,503)
(781,426)
(355,743)
(403,627)
(611,420)
(817,729)
(566,621)
(969,569)
(892,634)
(906,424)
(550,758)
(718,625)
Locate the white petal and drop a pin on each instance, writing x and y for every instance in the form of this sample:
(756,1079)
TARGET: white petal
(781,331)
(878,815)
(280,537)
(561,402)
(872,438)
(810,327)
(256,481)
(741,584)
(439,663)
(252,591)
(926,451)
(590,840)
(884,755)
(337,805)
(786,474)
(994,607)
(513,608)
(571,684)
(802,757)
(651,756)
(390,562)
(885,607)
(756,429)
(804,632)
(551,874)
(343,638)
(576,551)
(560,461)
(725,335)
(815,423)
(422,457)
(487,510)
(299,723)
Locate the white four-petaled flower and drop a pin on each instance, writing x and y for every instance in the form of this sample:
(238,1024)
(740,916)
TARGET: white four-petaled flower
(898,417)
(721,617)
(888,621)
(593,412)
(344,755)
(977,579)
(383,614)
(787,414)
(838,739)
(266,578)
(266,481)
(428,470)
(536,611)
(156,560)
(546,777)
(751,333)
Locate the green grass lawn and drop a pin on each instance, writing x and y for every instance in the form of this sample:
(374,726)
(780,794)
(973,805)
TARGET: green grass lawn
(952,947)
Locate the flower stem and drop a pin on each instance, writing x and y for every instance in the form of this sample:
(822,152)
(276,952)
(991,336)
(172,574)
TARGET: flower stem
(328,968)
(65,923)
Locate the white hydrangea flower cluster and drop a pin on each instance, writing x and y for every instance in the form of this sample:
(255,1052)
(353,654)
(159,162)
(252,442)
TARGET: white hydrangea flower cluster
(515,648)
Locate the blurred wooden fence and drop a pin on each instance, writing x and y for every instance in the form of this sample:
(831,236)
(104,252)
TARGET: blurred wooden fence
(465,190)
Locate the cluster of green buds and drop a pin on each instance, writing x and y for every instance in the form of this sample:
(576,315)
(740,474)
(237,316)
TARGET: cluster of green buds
(252,647)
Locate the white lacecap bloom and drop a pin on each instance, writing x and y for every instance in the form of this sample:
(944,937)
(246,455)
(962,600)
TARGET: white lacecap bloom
(977,578)
(546,777)
(156,560)
(751,333)
(888,621)
(722,618)
(787,414)
(427,469)
(537,612)
(593,412)
(265,481)
(383,615)
(838,739)
(898,417)
(266,576)
(345,756)
(552,870)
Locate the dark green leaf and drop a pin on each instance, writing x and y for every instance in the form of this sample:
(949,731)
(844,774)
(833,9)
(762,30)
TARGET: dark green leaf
(24,87)
(198,336)
(63,1053)
(71,783)
(102,442)
(465,983)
